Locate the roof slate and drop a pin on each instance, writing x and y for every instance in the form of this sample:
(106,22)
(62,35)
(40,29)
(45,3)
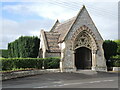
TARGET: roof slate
(52,41)
(58,32)
(63,28)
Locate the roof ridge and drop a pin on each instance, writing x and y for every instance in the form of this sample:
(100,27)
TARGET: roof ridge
(73,22)
(44,37)
(51,32)
(68,20)
(55,25)
(52,42)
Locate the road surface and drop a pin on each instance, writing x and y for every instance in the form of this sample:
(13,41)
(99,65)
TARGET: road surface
(65,80)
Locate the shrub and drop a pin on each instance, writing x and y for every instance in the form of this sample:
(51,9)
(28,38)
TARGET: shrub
(24,47)
(110,63)
(4,53)
(7,64)
(116,63)
(118,44)
(10,63)
(110,48)
(28,63)
(50,63)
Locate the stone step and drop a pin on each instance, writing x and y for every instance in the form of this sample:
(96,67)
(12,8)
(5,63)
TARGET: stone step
(89,72)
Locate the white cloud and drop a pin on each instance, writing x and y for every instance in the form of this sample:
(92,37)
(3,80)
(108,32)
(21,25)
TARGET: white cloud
(60,0)
(11,30)
(104,15)
(108,28)
(46,10)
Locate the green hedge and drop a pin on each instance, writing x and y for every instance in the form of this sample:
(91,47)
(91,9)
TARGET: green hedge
(50,63)
(7,64)
(116,63)
(4,53)
(24,47)
(113,62)
(12,63)
(110,49)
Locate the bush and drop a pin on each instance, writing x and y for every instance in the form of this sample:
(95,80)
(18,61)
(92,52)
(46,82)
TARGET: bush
(7,64)
(4,53)
(110,48)
(116,63)
(116,57)
(110,63)
(50,63)
(10,63)
(24,47)
(28,63)
(118,44)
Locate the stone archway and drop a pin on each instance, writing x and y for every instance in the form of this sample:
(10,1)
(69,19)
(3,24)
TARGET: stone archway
(84,37)
(83,58)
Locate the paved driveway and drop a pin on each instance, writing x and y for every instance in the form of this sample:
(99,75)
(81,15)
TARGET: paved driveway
(65,80)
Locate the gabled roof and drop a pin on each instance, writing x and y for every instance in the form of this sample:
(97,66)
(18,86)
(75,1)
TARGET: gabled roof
(55,25)
(44,39)
(59,32)
(64,28)
(52,41)
(73,22)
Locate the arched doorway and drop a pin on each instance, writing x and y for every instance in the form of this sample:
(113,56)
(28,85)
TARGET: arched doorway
(83,58)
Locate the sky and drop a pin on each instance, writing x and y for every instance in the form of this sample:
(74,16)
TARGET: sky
(27,18)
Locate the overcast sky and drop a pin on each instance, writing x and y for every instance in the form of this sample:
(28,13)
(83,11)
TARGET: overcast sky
(28,18)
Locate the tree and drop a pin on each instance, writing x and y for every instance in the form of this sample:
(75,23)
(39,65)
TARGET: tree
(4,53)
(24,47)
(118,44)
(110,49)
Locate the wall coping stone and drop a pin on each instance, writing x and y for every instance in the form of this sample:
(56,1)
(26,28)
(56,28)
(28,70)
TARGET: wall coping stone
(18,74)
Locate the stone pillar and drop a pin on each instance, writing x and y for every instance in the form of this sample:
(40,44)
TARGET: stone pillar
(73,59)
(61,61)
(44,54)
(94,61)
(43,60)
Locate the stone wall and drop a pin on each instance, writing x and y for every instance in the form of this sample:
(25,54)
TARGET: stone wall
(69,59)
(11,75)
(47,54)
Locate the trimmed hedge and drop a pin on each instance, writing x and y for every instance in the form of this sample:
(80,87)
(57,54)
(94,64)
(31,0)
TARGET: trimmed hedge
(50,63)
(24,47)
(12,63)
(116,63)
(4,53)
(113,62)
(110,49)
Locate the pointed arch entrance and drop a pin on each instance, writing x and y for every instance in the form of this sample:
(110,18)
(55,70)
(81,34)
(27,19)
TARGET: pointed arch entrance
(83,58)
(85,48)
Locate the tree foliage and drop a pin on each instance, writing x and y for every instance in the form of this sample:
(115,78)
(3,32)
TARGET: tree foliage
(118,44)
(110,48)
(24,47)
(37,63)
(4,53)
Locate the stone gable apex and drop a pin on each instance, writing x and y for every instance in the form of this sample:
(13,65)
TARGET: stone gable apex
(83,18)
(55,25)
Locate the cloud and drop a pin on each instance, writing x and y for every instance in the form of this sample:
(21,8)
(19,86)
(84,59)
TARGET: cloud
(103,14)
(108,28)
(59,0)
(43,9)
(11,30)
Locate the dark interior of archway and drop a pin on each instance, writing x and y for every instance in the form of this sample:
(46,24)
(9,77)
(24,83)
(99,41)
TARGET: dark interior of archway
(83,58)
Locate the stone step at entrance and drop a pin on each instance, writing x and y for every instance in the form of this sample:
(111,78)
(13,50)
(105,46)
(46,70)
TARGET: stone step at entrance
(88,72)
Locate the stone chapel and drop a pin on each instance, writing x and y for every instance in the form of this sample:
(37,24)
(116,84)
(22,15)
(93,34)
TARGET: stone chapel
(78,43)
